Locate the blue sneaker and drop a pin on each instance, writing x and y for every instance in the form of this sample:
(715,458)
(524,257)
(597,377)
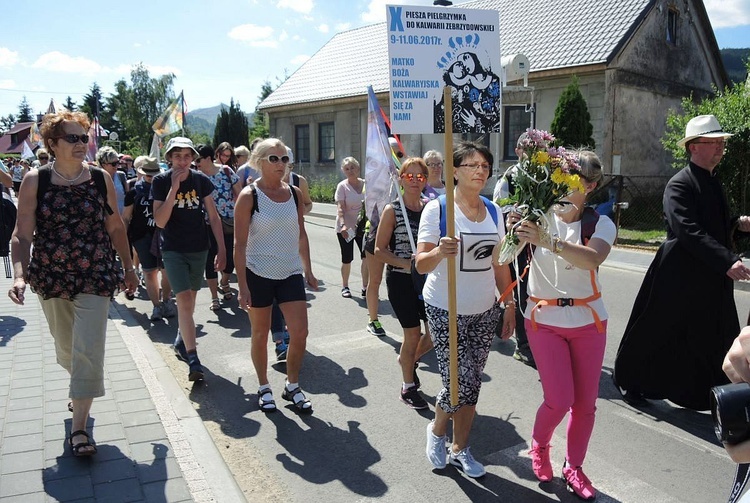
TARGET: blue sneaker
(281,350)
(179,348)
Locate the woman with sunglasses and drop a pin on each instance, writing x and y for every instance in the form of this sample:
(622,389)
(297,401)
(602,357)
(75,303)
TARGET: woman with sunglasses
(395,248)
(349,197)
(225,155)
(566,324)
(72,269)
(228,188)
(477,279)
(108,160)
(272,252)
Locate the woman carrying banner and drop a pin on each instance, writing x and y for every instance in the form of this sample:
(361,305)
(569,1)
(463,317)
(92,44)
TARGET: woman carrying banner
(567,335)
(395,248)
(477,278)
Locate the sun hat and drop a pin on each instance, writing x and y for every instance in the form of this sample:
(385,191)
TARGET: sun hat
(147,165)
(290,154)
(702,126)
(180,142)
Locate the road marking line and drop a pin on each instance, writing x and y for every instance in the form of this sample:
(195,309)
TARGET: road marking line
(702,447)
(612,484)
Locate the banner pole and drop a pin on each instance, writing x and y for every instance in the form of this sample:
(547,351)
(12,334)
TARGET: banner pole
(450,227)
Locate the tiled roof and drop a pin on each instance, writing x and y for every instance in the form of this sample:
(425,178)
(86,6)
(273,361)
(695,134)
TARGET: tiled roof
(20,126)
(551,33)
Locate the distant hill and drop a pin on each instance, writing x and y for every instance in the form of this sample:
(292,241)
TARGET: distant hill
(734,62)
(203,120)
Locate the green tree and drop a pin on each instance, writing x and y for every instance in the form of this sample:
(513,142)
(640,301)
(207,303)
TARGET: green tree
(732,108)
(231,126)
(260,127)
(70,104)
(136,106)
(572,123)
(92,102)
(6,123)
(25,113)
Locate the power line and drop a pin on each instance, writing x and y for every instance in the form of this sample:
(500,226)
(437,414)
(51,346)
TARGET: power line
(40,92)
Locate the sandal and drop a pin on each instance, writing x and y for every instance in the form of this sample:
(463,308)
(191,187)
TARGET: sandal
(346,293)
(302,404)
(225,291)
(215,305)
(82,445)
(265,400)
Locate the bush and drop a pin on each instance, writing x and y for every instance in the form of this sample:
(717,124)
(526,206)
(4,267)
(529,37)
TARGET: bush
(732,108)
(572,123)
(323,189)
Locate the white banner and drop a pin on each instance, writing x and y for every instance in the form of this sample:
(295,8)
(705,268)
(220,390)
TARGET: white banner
(431,47)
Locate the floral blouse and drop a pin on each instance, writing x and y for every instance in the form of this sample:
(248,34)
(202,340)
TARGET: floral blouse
(223,195)
(72,250)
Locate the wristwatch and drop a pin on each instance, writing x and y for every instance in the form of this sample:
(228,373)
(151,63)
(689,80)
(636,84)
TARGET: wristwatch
(557,246)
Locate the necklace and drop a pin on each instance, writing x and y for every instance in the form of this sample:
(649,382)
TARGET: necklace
(70,181)
(463,207)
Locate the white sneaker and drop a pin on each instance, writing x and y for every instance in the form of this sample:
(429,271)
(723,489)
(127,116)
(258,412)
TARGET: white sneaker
(466,461)
(436,450)
(156,314)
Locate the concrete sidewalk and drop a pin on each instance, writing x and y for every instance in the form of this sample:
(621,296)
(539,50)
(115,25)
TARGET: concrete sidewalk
(152,445)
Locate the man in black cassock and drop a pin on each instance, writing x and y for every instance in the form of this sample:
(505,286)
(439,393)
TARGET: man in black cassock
(684,318)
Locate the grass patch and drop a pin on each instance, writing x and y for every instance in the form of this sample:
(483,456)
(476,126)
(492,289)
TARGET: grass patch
(641,238)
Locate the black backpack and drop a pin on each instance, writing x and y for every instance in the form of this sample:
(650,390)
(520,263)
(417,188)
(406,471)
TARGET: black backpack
(8,214)
(97,174)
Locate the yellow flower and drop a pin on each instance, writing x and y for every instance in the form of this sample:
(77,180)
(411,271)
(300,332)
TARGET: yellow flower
(558,176)
(541,157)
(575,183)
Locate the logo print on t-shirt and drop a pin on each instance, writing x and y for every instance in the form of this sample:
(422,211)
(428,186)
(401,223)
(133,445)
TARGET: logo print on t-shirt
(476,251)
(187,200)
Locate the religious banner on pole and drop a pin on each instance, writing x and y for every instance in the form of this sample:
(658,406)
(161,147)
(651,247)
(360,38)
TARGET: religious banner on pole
(430,48)
(380,162)
(171,121)
(445,78)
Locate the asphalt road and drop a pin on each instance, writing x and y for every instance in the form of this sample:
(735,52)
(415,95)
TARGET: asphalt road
(362,443)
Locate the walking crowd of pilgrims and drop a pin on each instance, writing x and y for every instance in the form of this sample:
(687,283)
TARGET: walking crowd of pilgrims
(85,232)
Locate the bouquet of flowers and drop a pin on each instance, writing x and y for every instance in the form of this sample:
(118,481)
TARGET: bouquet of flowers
(545,175)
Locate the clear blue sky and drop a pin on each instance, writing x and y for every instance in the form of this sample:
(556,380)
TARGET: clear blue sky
(218,50)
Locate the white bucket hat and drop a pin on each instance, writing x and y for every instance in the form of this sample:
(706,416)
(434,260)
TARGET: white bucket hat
(180,142)
(702,126)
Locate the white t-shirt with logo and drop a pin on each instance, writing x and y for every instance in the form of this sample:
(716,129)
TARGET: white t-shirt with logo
(552,277)
(475,277)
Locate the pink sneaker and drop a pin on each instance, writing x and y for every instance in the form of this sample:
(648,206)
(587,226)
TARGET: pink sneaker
(540,462)
(578,482)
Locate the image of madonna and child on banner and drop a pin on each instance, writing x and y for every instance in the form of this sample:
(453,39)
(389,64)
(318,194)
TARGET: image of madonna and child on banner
(430,48)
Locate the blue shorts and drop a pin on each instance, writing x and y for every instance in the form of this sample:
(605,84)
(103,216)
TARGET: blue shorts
(143,249)
(263,291)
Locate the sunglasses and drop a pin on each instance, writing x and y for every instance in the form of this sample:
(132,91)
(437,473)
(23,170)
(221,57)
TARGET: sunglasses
(411,176)
(273,159)
(44,158)
(75,138)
